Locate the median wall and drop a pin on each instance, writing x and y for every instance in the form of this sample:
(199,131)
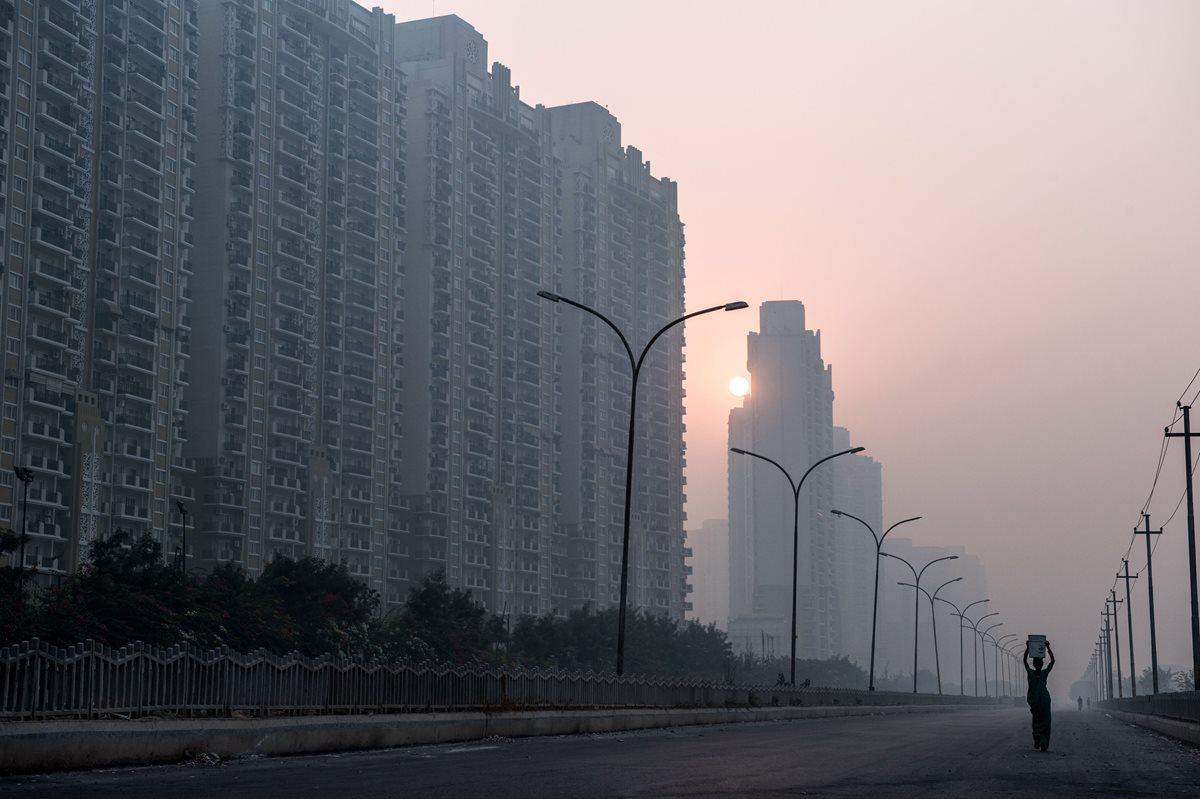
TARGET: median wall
(1175,714)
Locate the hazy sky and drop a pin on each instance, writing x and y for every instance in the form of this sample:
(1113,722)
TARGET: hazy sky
(990,212)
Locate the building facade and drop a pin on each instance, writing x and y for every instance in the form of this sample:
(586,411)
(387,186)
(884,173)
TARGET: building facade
(274,264)
(622,249)
(708,570)
(97,146)
(300,197)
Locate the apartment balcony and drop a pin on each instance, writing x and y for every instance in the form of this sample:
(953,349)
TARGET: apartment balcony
(136,451)
(47,433)
(131,511)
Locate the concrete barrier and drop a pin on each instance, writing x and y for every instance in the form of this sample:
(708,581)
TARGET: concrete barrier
(41,746)
(1188,731)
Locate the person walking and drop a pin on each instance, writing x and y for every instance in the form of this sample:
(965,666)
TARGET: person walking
(1038,697)
(1079,699)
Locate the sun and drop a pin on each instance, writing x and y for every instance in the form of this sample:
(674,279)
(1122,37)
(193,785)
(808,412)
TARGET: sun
(739,386)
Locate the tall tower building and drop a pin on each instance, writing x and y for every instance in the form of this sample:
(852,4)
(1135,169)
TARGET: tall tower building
(857,489)
(298,307)
(97,143)
(622,249)
(788,417)
(479,459)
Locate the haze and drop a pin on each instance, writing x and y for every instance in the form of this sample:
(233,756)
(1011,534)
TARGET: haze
(989,211)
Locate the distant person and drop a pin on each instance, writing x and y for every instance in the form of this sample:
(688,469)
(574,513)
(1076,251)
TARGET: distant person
(1038,697)
(1080,700)
(1089,701)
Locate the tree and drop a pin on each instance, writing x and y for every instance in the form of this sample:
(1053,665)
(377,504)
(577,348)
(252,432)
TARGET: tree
(1145,681)
(311,606)
(442,624)
(15,614)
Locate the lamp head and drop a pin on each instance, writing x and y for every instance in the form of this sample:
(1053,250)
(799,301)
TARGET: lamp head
(857,449)
(738,450)
(836,512)
(549,295)
(735,306)
(182,508)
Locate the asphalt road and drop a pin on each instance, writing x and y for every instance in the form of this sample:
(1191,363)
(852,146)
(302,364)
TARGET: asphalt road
(959,753)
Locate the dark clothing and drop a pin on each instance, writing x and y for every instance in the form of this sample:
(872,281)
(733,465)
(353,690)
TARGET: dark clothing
(1038,698)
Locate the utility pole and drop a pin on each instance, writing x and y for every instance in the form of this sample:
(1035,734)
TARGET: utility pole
(1129,623)
(1107,651)
(1187,435)
(1150,593)
(1116,630)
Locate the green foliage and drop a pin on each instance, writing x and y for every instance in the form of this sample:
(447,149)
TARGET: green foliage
(586,641)
(15,618)
(442,624)
(832,673)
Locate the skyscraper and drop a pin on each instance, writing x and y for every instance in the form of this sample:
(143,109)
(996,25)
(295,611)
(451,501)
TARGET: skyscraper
(788,417)
(622,250)
(479,458)
(97,143)
(297,342)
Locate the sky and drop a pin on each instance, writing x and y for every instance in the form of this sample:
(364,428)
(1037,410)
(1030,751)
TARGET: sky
(990,212)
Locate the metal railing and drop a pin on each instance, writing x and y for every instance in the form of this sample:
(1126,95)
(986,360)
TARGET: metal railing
(90,680)
(1183,705)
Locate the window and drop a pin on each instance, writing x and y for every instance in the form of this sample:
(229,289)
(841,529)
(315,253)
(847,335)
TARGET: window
(262,231)
(26,57)
(173,53)
(164,360)
(260,362)
(23,87)
(169,221)
(18,216)
(19,184)
(162,448)
(14,346)
(260,310)
(172,81)
(9,444)
(174,28)
(162,419)
(168,249)
(17,249)
(10,410)
(170,194)
(14,312)
(255,467)
(22,120)
(15,281)
(259,337)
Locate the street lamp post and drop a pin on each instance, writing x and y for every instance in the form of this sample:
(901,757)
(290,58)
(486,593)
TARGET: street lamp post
(636,368)
(974,653)
(983,651)
(875,603)
(997,643)
(917,602)
(962,683)
(795,524)
(183,553)
(25,475)
(937,658)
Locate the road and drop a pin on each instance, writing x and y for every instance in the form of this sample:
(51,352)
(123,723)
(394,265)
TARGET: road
(975,753)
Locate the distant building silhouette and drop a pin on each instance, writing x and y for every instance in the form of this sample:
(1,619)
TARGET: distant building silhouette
(708,570)
(857,489)
(788,417)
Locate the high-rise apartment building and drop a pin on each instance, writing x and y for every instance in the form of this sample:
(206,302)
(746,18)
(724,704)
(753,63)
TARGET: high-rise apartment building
(479,459)
(858,490)
(514,456)
(97,144)
(622,250)
(278,261)
(298,307)
(787,417)
(708,568)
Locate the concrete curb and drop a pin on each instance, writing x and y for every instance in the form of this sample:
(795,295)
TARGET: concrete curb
(38,746)
(1187,731)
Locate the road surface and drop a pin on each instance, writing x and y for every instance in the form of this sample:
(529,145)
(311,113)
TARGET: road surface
(975,753)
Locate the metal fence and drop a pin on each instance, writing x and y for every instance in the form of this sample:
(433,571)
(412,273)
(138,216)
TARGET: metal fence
(89,680)
(1183,705)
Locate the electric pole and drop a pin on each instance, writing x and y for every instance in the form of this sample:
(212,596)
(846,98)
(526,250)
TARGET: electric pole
(1116,631)
(1108,651)
(1129,623)
(1150,593)
(1187,435)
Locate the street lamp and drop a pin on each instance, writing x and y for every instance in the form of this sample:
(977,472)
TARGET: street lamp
(983,651)
(636,367)
(795,523)
(974,653)
(962,687)
(917,601)
(183,554)
(1010,666)
(997,642)
(937,658)
(875,603)
(25,475)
